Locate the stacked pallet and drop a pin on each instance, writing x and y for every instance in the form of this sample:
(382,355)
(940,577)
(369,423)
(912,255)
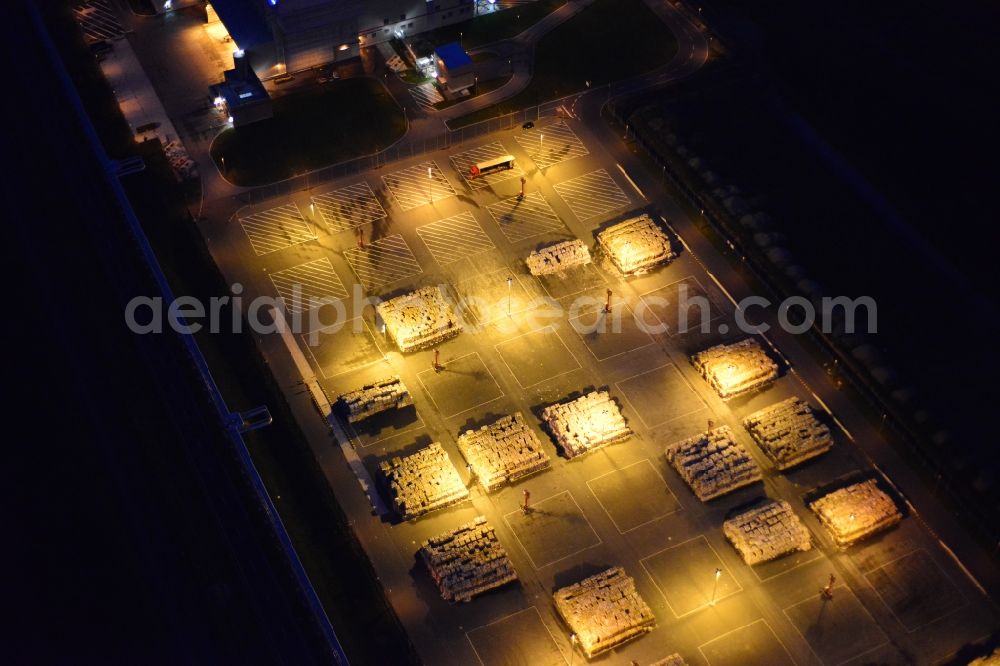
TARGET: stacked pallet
(467,561)
(586,424)
(767,532)
(604,611)
(370,399)
(713,463)
(422,482)
(673,660)
(636,245)
(788,433)
(736,369)
(558,257)
(856,512)
(503,452)
(419,319)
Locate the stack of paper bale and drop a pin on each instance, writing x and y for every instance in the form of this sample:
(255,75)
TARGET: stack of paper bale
(370,399)
(788,433)
(736,369)
(586,424)
(767,532)
(673,660)
(419,319)
(467,561)
(422,482)
(636,245)
(604,611)
(503,452)
(558,257)
(713,463)
(856,512)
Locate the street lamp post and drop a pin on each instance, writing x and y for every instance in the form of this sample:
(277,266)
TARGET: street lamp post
(510,282)
(430,177)
(573,640)
(715,586)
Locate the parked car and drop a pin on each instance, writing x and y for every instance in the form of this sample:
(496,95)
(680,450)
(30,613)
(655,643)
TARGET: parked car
(528,125)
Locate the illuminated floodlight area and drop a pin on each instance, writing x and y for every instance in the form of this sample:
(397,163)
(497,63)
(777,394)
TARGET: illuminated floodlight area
(856,512)
(636,245)
(419,319)
(604,611)
(467,561)
(736,369)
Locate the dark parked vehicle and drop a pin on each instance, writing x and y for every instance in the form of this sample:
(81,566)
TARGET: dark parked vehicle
(528,125)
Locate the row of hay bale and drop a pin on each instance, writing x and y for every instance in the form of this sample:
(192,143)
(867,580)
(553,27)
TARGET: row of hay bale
(374,398)
(856,512)
(558,257)
(586,424)
(419,319)
(767,532)
(604,611)
(421,482)
(788,433)
(736,369)
(636,245)
(503,451)
(467,561)
(713,463)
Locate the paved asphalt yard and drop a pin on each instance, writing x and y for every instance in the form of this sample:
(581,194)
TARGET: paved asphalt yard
(899,596)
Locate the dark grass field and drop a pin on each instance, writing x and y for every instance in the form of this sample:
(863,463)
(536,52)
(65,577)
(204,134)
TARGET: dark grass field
(310,130)
(581,50)
(493,27)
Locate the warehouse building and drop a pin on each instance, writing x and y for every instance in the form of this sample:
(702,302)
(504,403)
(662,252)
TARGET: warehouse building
(287,36)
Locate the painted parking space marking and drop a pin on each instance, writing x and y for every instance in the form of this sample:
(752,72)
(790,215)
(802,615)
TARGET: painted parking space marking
(551,144)
(276,229)
(523,218)
(418,185)
(382,262)
(462,161)
(426,95)
(349,207)
(98,21)
(455,238)
(592,194)
(307,285)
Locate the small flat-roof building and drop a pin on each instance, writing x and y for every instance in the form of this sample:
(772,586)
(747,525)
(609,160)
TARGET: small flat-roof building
(454,67)
(242,94)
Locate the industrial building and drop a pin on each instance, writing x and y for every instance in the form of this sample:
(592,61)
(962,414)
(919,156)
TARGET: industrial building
(287,36)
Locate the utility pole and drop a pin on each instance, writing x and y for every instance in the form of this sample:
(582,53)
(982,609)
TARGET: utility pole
(510,283)
(715,586)
(827,592)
